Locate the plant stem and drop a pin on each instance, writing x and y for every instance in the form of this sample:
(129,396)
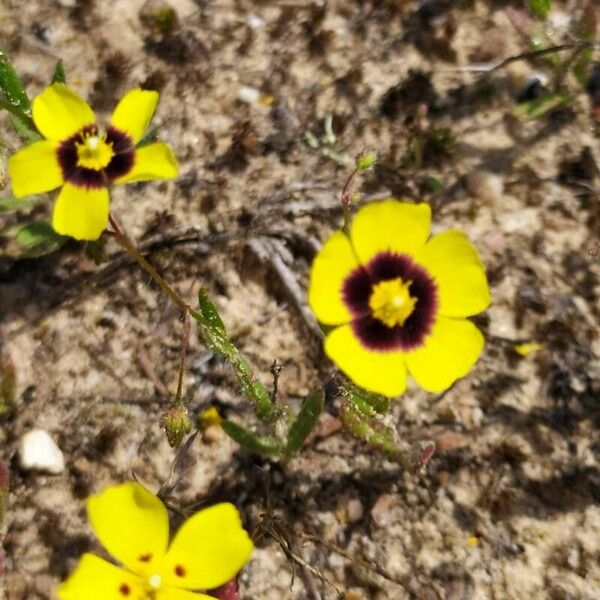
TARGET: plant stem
(184,347)
(345,200)
(133,251)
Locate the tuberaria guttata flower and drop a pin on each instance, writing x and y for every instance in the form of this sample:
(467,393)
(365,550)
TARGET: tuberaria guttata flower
(133,526)
(398,301)
(85,159)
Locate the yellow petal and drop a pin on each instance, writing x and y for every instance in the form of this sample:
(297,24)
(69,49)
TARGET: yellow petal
(390,225)
(334,262)
(448,353)
(96,579)
(455,265)
(208,550)
(178,594)
(132,524)
(380,372)
(134,112)
(155,161)
(34,169)
(81,212)
(58,112)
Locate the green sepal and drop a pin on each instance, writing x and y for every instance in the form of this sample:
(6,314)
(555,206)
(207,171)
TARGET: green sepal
(59,75)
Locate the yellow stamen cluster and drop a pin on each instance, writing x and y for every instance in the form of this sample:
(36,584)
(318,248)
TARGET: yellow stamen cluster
(94,152)
(391,302)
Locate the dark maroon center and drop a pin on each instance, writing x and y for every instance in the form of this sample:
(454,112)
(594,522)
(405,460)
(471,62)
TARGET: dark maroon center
(373,333)
(120,164)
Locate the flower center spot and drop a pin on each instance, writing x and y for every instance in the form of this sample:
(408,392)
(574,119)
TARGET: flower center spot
(391,302)
(94,152)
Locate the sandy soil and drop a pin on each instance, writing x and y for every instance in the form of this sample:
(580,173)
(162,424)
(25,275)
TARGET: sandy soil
(509,507)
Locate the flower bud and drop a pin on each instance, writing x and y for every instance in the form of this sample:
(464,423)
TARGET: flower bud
(365,160)
(176,424)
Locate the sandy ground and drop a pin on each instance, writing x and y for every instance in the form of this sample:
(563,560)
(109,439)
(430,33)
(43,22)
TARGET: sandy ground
(509,507)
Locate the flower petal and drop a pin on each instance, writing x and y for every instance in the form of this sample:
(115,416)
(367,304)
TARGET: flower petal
(380,372)
(334,262)
(155,161)
(134,111)
(208,550)
(179,594)
(81,212)
(454,263)
(132,524)
(449,353)
(390,225)
(96,579)
(58,112)
(34,169)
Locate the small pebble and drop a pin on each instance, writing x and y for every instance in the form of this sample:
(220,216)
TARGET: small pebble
(248,94)
(380,513)
(355,510)
(39,452)
(254,21)
(485,186)
(336,561)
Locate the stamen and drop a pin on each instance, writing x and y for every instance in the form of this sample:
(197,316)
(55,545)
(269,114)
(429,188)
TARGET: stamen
(93,151)
(391,302)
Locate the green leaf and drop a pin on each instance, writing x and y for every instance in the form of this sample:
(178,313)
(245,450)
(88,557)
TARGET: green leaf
(435,185)
(214,335)
(23,129)
(209,311)
(540,8)
(541,106)
(372,431)
(9,203)
(36,239)
(59,75)
(305,422)
(260,444)
(367,403)
(10,85)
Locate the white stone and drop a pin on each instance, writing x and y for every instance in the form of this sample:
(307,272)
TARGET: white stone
(249,94)
(254,21)
(39,452)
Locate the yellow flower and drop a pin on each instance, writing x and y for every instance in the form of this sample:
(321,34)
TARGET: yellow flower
(85,159)
(398,301)
(133,526)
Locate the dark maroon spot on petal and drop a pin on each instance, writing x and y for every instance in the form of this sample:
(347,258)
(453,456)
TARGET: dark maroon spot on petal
(373,333)
(179,571)
(123,147)
(125,590)
(145,557)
